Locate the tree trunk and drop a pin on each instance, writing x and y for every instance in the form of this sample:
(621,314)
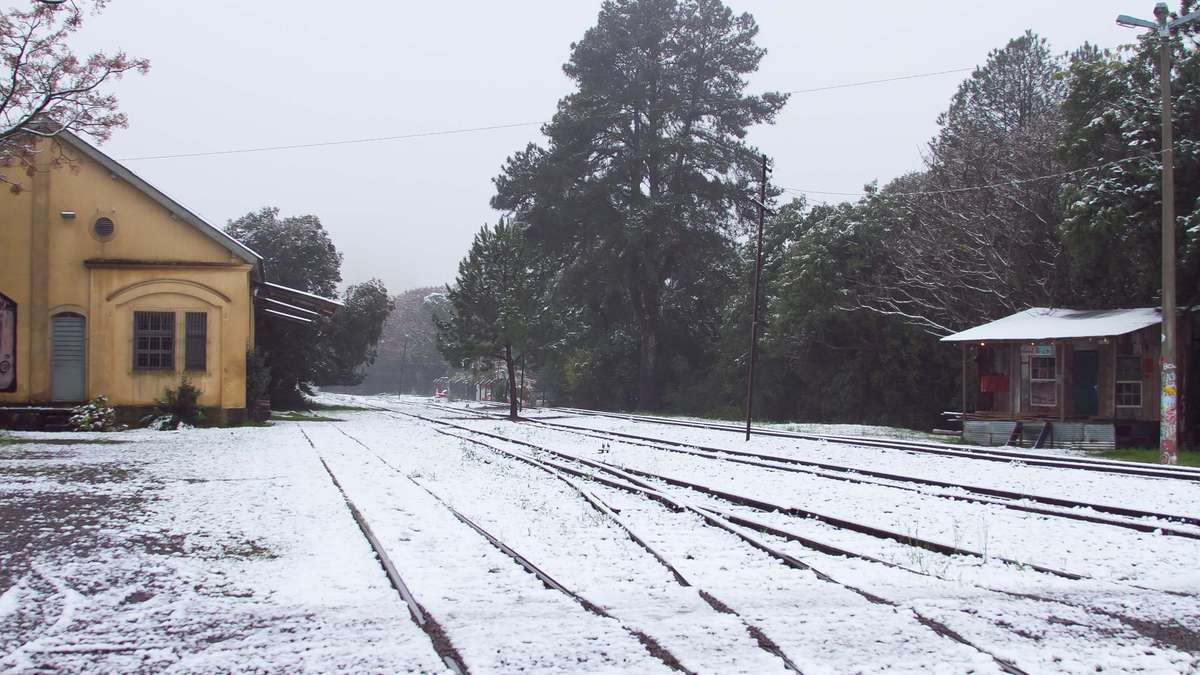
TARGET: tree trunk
(512,382)
(648,349)
(400,374)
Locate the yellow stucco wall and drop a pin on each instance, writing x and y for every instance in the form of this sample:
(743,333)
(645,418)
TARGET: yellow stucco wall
(153,261)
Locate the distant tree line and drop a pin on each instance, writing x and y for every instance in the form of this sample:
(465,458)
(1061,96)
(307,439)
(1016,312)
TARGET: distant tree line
(408,360)
(1040,188)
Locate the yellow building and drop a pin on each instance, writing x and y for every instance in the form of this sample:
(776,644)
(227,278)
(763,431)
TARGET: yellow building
(108,286)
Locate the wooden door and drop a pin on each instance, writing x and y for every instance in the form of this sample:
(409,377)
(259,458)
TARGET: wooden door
(1085,383)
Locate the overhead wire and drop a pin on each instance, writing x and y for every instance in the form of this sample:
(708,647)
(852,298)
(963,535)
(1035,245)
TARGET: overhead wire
(990,186)
(497,127)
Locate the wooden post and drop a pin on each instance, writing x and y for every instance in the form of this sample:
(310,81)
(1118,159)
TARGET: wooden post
(1169,399)
(762,210)
(964,386)
(1060,377)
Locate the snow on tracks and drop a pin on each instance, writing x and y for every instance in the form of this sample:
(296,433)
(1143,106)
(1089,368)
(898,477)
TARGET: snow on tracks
(500,618)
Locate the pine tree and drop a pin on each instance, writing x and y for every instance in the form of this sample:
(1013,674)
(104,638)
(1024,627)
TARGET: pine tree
(496,302)
(645,178)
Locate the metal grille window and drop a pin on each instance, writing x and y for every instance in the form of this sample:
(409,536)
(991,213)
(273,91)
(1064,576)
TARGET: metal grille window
(1043,381)
(1129,382)
(195,347)
(154,340)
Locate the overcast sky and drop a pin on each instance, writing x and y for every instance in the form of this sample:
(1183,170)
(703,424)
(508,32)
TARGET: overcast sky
(234,74)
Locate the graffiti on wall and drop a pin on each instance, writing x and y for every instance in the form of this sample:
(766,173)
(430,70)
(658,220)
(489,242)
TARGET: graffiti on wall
(8,344)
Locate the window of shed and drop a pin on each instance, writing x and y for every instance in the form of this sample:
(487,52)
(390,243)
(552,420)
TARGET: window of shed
(1129,382)
(154,340)
(1043,381)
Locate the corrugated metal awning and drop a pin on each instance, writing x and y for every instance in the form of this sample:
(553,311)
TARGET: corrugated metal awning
(291,301)
(1047,323)
(285,316)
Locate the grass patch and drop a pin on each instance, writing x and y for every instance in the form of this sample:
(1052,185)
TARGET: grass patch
(9,439)
(1150,456)
(293,416)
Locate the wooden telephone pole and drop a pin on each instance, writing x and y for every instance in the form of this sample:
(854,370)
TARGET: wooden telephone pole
(1168,429)
(762,214)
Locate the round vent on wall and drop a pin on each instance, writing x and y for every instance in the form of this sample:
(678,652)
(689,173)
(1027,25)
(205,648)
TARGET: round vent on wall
(103,227)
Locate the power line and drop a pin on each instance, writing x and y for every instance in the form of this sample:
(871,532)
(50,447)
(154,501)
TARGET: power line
(988,186)
(495,127)
(881,81)
(350,141)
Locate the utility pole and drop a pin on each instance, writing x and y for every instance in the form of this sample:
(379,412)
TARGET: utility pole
(1168,433)
(762,212)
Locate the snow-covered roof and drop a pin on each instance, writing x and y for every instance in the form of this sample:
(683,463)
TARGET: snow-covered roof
(1048,323)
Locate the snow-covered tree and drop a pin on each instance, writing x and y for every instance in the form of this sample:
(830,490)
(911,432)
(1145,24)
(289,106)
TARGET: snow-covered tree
(974,235)
(1114,122)
(495,302)
(646,176)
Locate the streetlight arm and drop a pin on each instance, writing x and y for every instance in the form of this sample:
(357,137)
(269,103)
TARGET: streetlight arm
(1188,18)
(1134,22)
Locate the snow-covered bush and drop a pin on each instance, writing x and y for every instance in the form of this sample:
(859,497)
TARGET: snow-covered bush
(95,415)
(177,409)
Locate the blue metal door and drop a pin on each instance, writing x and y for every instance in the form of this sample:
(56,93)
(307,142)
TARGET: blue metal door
(67,349)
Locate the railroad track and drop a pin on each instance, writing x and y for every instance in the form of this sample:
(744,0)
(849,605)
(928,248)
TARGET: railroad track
(442,644)
(1009,456)
(765,506)
(754,631)
(433,629)
(1142,521)
(624,481)
(1182,638)
(630,481)
(1151,522)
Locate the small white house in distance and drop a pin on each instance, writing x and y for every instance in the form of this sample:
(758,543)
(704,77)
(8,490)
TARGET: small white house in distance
(1068,378)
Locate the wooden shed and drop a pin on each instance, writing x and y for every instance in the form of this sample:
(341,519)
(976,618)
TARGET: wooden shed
(1066,378)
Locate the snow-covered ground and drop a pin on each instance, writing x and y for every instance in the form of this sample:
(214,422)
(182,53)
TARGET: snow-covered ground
(233,550)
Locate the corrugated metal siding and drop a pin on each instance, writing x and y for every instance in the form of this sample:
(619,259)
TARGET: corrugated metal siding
(1084,435)
(987,432)
(1074,435)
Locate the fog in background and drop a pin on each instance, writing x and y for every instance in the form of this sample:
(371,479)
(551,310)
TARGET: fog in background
(229,75)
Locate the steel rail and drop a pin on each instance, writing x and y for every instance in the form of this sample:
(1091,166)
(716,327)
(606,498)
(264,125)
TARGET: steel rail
(760,637)
(714,519)
(637,486)
(632,475)
(1032,459)
(761,505)
(652,646)
(1005,498)
(442,644)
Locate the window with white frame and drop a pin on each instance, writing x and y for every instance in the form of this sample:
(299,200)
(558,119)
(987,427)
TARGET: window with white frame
(1043,381)
(1129,382)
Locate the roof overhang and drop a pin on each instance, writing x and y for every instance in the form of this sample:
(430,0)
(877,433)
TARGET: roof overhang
(1046,323)
(278,299)
(272,303)
(285,316)
(234,246)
